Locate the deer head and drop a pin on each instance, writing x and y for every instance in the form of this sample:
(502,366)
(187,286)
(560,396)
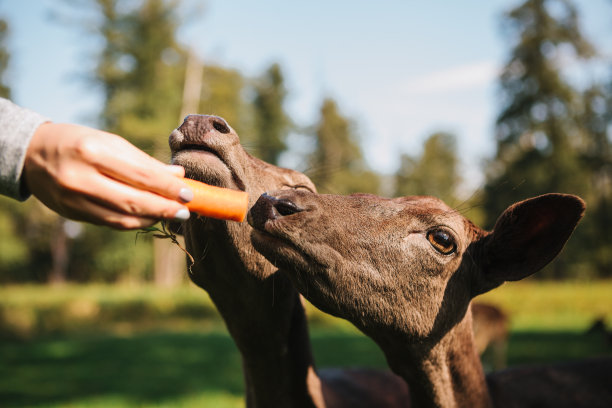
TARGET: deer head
(406,267)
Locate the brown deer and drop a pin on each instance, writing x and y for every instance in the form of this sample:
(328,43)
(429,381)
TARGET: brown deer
(404,271)
(261,309)
(491,330)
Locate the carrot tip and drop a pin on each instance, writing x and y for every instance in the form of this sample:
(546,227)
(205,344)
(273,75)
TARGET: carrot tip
(217,202)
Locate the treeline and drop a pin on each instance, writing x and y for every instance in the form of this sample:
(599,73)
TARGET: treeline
(551,136)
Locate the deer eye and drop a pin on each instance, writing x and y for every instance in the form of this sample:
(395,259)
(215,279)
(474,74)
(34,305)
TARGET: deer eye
(301,187)
(442,241)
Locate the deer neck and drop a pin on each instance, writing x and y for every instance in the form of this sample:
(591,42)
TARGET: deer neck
(449,374)
(266,320)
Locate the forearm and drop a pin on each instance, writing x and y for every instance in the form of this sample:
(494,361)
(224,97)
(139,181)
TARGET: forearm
(17,125)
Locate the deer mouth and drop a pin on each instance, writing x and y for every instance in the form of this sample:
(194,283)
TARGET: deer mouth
(181,145)
(204,161)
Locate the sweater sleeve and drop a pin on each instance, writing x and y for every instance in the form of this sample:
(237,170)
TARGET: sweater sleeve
(17,125)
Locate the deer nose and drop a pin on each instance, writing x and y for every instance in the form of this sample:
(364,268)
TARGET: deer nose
(269,207)
(199,126)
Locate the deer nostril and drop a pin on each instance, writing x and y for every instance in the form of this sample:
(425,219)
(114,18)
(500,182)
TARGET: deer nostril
(221,126)
(285,207)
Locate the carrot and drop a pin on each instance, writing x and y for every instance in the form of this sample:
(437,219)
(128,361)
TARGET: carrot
(217,202)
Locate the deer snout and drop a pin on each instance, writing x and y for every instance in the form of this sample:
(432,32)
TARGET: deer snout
(200,130)
(204,124)
(269,207)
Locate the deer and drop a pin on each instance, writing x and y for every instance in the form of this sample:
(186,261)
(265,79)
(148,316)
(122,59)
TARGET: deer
(262,311)
(404,271)
(490,325)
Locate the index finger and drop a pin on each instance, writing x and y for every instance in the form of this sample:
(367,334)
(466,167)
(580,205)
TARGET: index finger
(136,168)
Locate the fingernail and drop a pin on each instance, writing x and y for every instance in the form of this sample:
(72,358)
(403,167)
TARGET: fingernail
(182,214)
(186,194)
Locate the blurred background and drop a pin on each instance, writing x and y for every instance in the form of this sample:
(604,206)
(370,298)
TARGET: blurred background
(479,103)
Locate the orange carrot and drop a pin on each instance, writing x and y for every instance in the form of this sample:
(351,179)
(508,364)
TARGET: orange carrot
(217,202)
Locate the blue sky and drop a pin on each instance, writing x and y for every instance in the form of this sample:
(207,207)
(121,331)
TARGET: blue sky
(400,69)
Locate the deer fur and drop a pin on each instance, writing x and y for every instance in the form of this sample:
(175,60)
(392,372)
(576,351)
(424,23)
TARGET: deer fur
(491,330)
(262,310)
(373,261)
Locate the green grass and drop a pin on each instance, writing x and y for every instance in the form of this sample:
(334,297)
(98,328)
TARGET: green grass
(148,347)
(553,306)
(147,369)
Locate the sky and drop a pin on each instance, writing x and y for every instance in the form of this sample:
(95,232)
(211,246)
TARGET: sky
(400,69)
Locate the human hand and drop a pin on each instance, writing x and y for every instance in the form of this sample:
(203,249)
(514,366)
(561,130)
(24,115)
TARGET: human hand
(89,175)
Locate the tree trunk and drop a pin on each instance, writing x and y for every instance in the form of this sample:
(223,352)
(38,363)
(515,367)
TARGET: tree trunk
(169,263)
(59,254)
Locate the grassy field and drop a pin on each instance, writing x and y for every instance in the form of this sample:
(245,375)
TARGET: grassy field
(101,346)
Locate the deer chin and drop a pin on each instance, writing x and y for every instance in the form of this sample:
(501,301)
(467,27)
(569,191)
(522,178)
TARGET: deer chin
(280,252)
(206,166)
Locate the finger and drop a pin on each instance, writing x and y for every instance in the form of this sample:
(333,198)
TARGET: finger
(138,169)
(178,171)
(88,210)
(125,199)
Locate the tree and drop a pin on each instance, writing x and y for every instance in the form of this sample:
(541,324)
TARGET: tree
(337,163)
(539,131)
(5,90)
(271,123)
(597,158)
(33,237)
(223,95)
(435,172)
(141,68)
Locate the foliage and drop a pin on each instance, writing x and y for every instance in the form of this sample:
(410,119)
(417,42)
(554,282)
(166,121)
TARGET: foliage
(223,95)
(435,172)
(5,90)
(550,136)
(140,69)
(337,164)
(597,159)
(271,122)
(540,131)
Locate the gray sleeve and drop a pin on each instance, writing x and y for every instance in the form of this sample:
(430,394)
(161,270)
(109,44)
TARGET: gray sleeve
(17,125)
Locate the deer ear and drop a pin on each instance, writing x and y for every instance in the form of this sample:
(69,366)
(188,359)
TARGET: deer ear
(526,237)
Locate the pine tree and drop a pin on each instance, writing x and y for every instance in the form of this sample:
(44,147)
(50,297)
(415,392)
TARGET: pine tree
(539,130)
(5,90)
(271,123)
(337,163)
(597,158)
(434,173)
(141,70)
(223,95)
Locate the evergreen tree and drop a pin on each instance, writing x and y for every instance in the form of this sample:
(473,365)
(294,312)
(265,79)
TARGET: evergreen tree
(141,70)
(13,246)
(597,158)
(539,129)
(337,163)
(34,245)
(271,123)
(434,173)
(223,95)
(5,90)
